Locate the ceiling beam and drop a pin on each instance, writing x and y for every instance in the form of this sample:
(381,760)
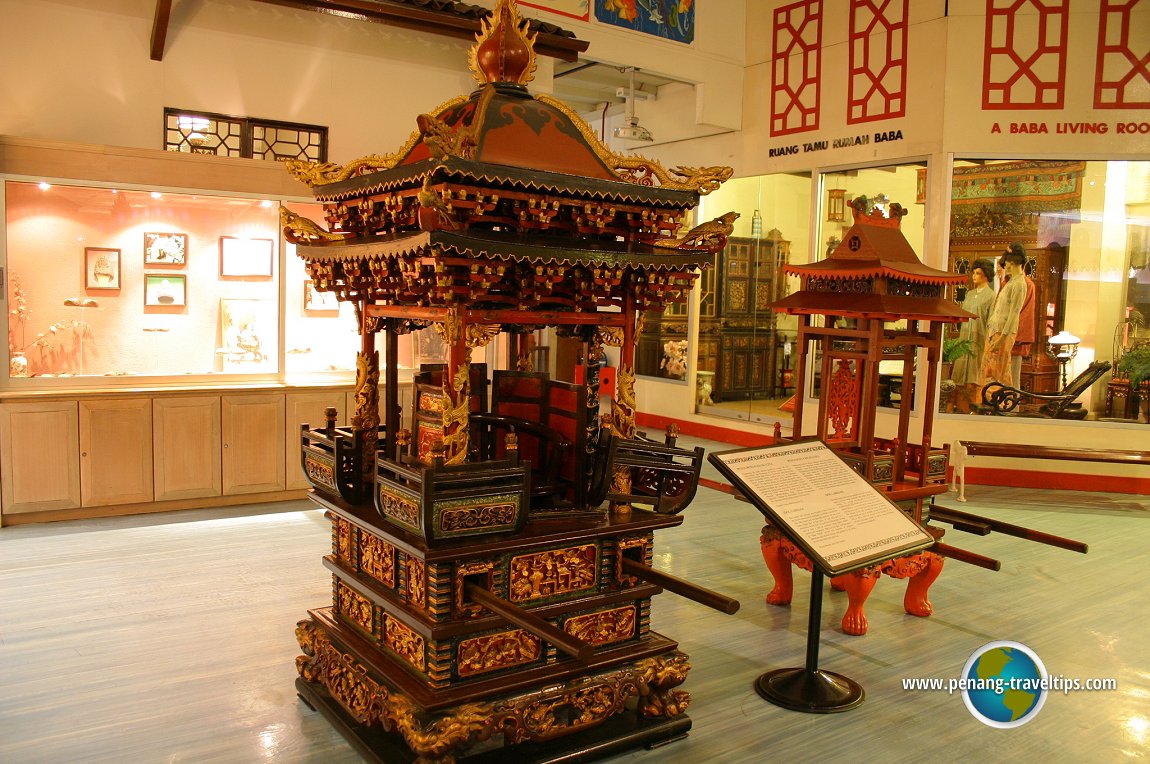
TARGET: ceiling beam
(424,20)
(160,28)
(395,14)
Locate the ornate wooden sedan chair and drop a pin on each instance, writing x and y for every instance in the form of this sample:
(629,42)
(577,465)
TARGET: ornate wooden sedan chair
(486,588)
(872,280)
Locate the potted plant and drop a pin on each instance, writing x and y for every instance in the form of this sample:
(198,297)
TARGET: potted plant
(1135,365)
(953,349)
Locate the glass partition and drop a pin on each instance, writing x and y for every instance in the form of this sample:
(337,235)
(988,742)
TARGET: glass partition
(1083,229)
(744,350)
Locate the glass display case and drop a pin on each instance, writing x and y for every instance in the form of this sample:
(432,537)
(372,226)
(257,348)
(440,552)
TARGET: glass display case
(111,283)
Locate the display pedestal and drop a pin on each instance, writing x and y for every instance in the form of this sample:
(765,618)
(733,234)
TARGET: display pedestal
(808,689)
(841,523)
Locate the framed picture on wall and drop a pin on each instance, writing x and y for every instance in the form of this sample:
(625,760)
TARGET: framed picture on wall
(101,268)
(315,301)
(167,290)
(166,249)
(247,333)
(251,258)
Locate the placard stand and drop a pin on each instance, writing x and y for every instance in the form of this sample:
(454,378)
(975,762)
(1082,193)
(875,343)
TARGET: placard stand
(842,523)
(808,688)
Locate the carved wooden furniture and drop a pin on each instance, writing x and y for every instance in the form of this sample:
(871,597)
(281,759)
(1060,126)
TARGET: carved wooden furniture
(871,279)
(1004,400)
(1118,390)
(737,336)
(485,604)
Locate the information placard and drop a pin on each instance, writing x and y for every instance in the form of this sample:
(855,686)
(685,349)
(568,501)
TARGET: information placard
(830,511)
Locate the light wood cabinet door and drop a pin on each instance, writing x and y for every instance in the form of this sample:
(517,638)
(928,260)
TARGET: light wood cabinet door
(308,408)
(186,447)
(39,456)
(115,451)
(253,442)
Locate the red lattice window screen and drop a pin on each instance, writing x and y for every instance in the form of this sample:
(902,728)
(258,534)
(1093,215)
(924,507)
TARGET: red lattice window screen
(1024,61)
(798,32)
(877,87)
(1122,78)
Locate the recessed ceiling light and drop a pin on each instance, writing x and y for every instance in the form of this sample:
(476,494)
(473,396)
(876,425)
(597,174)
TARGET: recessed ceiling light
(45,186)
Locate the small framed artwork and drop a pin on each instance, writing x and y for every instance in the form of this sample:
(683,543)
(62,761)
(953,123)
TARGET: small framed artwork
(315,301)
(247,333)
(166,249)
(246,257)
(166,290)
(101,268)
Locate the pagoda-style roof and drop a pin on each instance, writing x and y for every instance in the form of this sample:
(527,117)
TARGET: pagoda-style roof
(503,176)
(499,185)
(875,274)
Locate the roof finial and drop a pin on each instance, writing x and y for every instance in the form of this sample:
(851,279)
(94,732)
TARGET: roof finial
(504,51)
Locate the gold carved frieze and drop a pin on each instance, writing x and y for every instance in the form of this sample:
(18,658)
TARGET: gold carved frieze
(370,703)
(341,532)
(405,642)
(461,516)
(559,710)
(431,402)
(417,582)
(401,507)
(377,558)
(430,436)
(320,472)
(626,544)
(604,627)
(354,606)
(553,573)
(480,572)
(492,652)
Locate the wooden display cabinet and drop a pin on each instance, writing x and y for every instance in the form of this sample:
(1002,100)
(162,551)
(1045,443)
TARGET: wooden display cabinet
(40,456)
(115,451)
(253,429)
(187,446)
(738,340)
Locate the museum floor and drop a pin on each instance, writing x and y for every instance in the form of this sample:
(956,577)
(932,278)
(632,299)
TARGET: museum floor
(170,638)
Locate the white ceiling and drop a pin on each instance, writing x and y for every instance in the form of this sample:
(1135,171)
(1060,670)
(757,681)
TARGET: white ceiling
(585,85)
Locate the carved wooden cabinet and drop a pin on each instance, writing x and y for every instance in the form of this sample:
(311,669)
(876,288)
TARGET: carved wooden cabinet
(737,328)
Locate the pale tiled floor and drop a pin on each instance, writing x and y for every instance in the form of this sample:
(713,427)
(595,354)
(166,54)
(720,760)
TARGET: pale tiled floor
(169,638)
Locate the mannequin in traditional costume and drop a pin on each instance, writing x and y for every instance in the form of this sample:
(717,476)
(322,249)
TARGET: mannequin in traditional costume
(1027,325)
(967,372)
(1002,327)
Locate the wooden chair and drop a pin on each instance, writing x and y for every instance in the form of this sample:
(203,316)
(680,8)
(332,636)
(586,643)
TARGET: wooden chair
(544,448)
(1004,400)
(663,476)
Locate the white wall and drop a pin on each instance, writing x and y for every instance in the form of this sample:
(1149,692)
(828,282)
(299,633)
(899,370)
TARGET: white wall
(77,70)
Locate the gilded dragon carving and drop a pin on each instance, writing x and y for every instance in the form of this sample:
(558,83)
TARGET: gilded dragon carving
(299,230)
(321,173)
(710,236)
(456,411)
